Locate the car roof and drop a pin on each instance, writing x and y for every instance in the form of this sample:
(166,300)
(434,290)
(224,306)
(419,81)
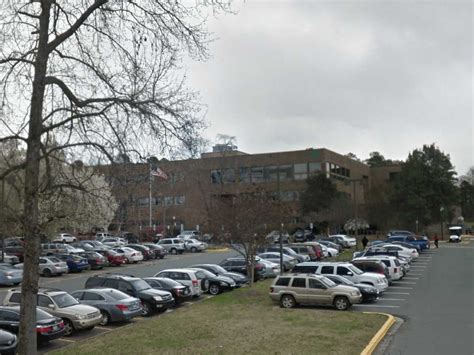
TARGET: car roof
(178,270)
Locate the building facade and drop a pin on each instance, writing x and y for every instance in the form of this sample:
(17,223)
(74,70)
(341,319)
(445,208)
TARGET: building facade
(183,200)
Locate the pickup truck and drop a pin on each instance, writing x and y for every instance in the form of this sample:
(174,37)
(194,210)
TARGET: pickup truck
(422,243)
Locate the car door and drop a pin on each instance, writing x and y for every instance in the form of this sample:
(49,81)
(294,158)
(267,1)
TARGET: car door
(45,303)
(125,287)
(9,320)
(299,290)
(318,293)
(345,272)
(327,270)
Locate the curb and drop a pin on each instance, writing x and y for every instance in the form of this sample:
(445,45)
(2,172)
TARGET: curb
(220,250)
(377,338)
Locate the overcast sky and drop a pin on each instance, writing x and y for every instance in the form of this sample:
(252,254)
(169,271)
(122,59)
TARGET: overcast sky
(352,76)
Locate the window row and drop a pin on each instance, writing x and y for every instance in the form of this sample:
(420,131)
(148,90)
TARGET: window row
(269,173)
(335,169)
(162,200)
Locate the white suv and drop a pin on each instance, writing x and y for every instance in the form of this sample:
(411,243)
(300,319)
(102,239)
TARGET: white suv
(347,270)
(187,277)
(65,238)
(172,245)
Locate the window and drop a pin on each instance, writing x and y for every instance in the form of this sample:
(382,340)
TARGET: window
(257,174)
(245,175)
(144,201)
(285,172)
(111,283)
(169,200)
(341,270)
(125,287)
(15,298)
(44,301)
(315,284)
(180,276)
(314,168)
(8,316)
(92,296)
(300,171)
(327,270)
(179,200)
(229,176)
(299,282)
(283,281)
(158,201)
(216,176)
(271,173)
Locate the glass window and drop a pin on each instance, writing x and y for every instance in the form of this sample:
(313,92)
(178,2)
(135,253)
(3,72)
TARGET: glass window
(216,176)
(341,270)
(300,171)
(257,173)
(271,173)
(299,282)
(158,201)
(44,301)
(144,201)
(327,270)
(125,287)
(179,200)
(92,296)
(169,200)
(315,284)
(229,176)
(285,172)
(15,298)
(111,283)
(245,174)
(10,316)
(314,167)
(283,281)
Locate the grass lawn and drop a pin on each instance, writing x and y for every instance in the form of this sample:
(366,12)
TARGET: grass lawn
(238,322)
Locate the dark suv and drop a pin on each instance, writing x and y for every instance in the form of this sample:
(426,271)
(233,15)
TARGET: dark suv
(151,299)
(240,265)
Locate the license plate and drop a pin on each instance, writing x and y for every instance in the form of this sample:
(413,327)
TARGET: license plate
(55,327)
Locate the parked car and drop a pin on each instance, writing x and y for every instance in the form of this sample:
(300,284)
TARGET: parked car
(95,259)
(274,237)
(216,283)
(64,238)
(369,293)
(423,244)
(239,278)
(454,238)
(392,263)
(102,235)
(48,327)
(402,251)
(151,299)
(10,275)
(288,261)
(172,245)
(330,244)
(72,250)
(238,264)
(189,234)
(114,305)
(114,258)
(114,242)
(83,245)
(347,270)
(9,259)
(180,292)
(96,244)
(49,266)
(347,242)
(16,250)
(286,250)
(158,250)
(8,342)
(75,263)
(53,248)
(375,266)
(305,250)
(271,269)
(186,277)
(290,290)
(130,255)
(146,252)
(407,245)
(194,245)
(61,304)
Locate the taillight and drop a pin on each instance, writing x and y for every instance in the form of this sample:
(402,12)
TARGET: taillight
(258,266)
(122,307)
(195,282)
(395,270)
(42,329)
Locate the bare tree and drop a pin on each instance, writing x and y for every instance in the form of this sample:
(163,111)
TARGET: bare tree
(91,78)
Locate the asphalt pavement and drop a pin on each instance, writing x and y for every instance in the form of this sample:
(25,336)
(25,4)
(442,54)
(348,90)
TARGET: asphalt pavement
(436,302)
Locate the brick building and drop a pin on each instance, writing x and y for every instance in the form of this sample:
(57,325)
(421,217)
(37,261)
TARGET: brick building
(184,198)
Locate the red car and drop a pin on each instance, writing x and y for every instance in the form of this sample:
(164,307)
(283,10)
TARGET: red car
(114,258)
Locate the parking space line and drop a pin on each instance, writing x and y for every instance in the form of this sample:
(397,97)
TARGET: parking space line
(415,274)
(418,267)
(402,287)
(392,299)
(396,293)
(66,340)
(405,282)
(374,305)
(411,278)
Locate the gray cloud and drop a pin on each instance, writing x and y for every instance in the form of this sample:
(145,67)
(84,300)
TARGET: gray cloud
(350,76)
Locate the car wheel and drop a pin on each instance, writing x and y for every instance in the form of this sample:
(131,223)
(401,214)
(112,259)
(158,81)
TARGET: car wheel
(47,273)
(205,285)
(193,250)
(127,261)
(105,318)
(214,289)
(162,256)
(68,327)
(146,309)
(173,251)
(287,301)
(341,303)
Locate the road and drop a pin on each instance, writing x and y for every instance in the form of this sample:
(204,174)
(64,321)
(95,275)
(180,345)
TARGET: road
(436,301)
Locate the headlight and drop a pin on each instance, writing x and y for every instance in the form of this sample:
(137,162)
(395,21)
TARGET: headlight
(370,290)
(81,316)
(223,283)
(157,298)
(354,293)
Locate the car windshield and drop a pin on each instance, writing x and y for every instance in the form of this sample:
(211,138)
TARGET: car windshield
(208,273)
(64,300)
(328,283)
(54,260)
(140,285)
(346,281)
(355,270)
(218,269)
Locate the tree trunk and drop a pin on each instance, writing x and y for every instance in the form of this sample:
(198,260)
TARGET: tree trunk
(29,287)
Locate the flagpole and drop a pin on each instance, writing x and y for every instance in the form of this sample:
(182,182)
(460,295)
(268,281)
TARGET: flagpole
(149,190)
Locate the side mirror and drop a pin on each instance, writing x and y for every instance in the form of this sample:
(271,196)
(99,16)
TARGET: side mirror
(52,306)
(350,273)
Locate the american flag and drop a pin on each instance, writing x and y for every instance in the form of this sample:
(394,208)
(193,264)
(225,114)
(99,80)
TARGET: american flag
(156,171)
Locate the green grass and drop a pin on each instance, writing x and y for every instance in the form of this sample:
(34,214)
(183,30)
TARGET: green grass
(238,322)
(345,255)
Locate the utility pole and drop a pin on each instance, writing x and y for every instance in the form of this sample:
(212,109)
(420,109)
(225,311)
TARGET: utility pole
(280,239)
(150,177)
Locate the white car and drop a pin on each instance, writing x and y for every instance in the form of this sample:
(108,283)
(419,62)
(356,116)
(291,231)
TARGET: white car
(10,259)
(402,251)
(329,252)
(64,238)
(187,277)
(194,245)
(347,241)
(271,269)
(454,238)
(130,255)
(392,263)
(288,261)
(72,250)
(114,242)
